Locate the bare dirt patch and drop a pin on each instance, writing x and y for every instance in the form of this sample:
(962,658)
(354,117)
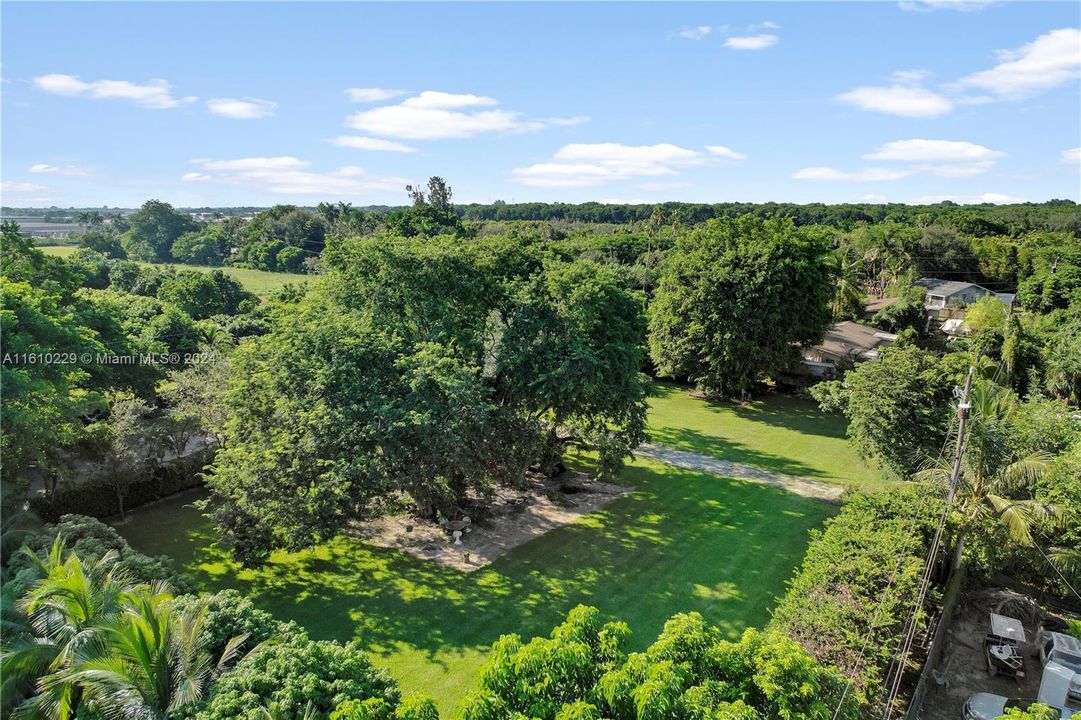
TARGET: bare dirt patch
(963,665)
(515,516)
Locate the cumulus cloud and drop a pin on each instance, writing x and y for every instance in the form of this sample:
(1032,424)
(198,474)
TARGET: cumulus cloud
(903,100)
(373,94)
(286,175)
(723,152)
(1071,156)
(994,198)
(695,33)
(592,164)
(10,186)
(154,94)
(24,192)
(751,42)
(1050,60)
(435,115)
(943,158)
(358,142)
(242,109)
(70,170)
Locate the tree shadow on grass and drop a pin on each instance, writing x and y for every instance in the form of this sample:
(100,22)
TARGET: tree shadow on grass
(731,450)
(682,541)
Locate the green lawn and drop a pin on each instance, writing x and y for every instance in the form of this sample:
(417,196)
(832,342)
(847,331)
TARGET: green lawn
(259,282)
(682,541)
(781,433)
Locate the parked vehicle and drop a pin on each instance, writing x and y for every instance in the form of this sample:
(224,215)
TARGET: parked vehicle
(987,706)
(1065,650)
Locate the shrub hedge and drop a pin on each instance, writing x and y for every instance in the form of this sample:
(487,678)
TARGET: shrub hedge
(97,498)
(859,581)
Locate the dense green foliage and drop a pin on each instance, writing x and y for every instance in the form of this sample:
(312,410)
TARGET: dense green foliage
(414,368)
(858,583)
(897,408)
(582,671)
(735,298)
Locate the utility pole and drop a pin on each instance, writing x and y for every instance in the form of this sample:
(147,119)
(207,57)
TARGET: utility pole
(963,408)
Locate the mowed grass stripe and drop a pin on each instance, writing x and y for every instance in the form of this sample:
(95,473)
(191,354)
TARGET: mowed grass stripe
(682,541)
(777,432)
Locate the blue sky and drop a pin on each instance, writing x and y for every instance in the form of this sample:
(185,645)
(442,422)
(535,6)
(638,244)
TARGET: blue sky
(259,103)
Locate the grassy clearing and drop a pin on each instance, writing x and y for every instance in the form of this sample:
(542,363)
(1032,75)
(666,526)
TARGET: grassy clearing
(682,541)
(259,282)
(780,433)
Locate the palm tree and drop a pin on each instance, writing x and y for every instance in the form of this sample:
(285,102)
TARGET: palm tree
(62,621)
(848,294)
(155,662)
(994,485)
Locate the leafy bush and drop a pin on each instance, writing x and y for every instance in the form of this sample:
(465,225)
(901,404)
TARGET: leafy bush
(90,539)
(690,672)
(285,677)
(229,614)
(411,708)
(859,581)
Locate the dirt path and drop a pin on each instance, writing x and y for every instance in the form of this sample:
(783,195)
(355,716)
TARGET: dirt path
(806,487)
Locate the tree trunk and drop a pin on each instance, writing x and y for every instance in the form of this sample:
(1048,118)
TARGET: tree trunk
(958,551)
(120,499)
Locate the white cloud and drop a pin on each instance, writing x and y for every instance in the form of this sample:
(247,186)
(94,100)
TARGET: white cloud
(373,94)
(287,175)
(872,198)
(592,164)
(909,77)
(10,186)
(723,152)
(1050,60)
(154,94)
(695,33)
(358,142)
(996,198)
(245,109)
(567,121)
(828,174)
(434,115)
(751,42)
(901,99)
(929,5)
(945,158)
(70,170)
(24,193)
(1071,156)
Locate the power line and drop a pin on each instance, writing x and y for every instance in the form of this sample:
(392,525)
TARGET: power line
(905,647)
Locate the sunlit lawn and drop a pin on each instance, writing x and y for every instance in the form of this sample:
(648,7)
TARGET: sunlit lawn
(259,282)
(682,541)
(777,432)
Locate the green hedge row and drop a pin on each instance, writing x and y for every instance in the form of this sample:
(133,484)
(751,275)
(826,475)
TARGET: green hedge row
(859,580)
(98,498)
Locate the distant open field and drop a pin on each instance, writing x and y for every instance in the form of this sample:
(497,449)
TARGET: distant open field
(257,281)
